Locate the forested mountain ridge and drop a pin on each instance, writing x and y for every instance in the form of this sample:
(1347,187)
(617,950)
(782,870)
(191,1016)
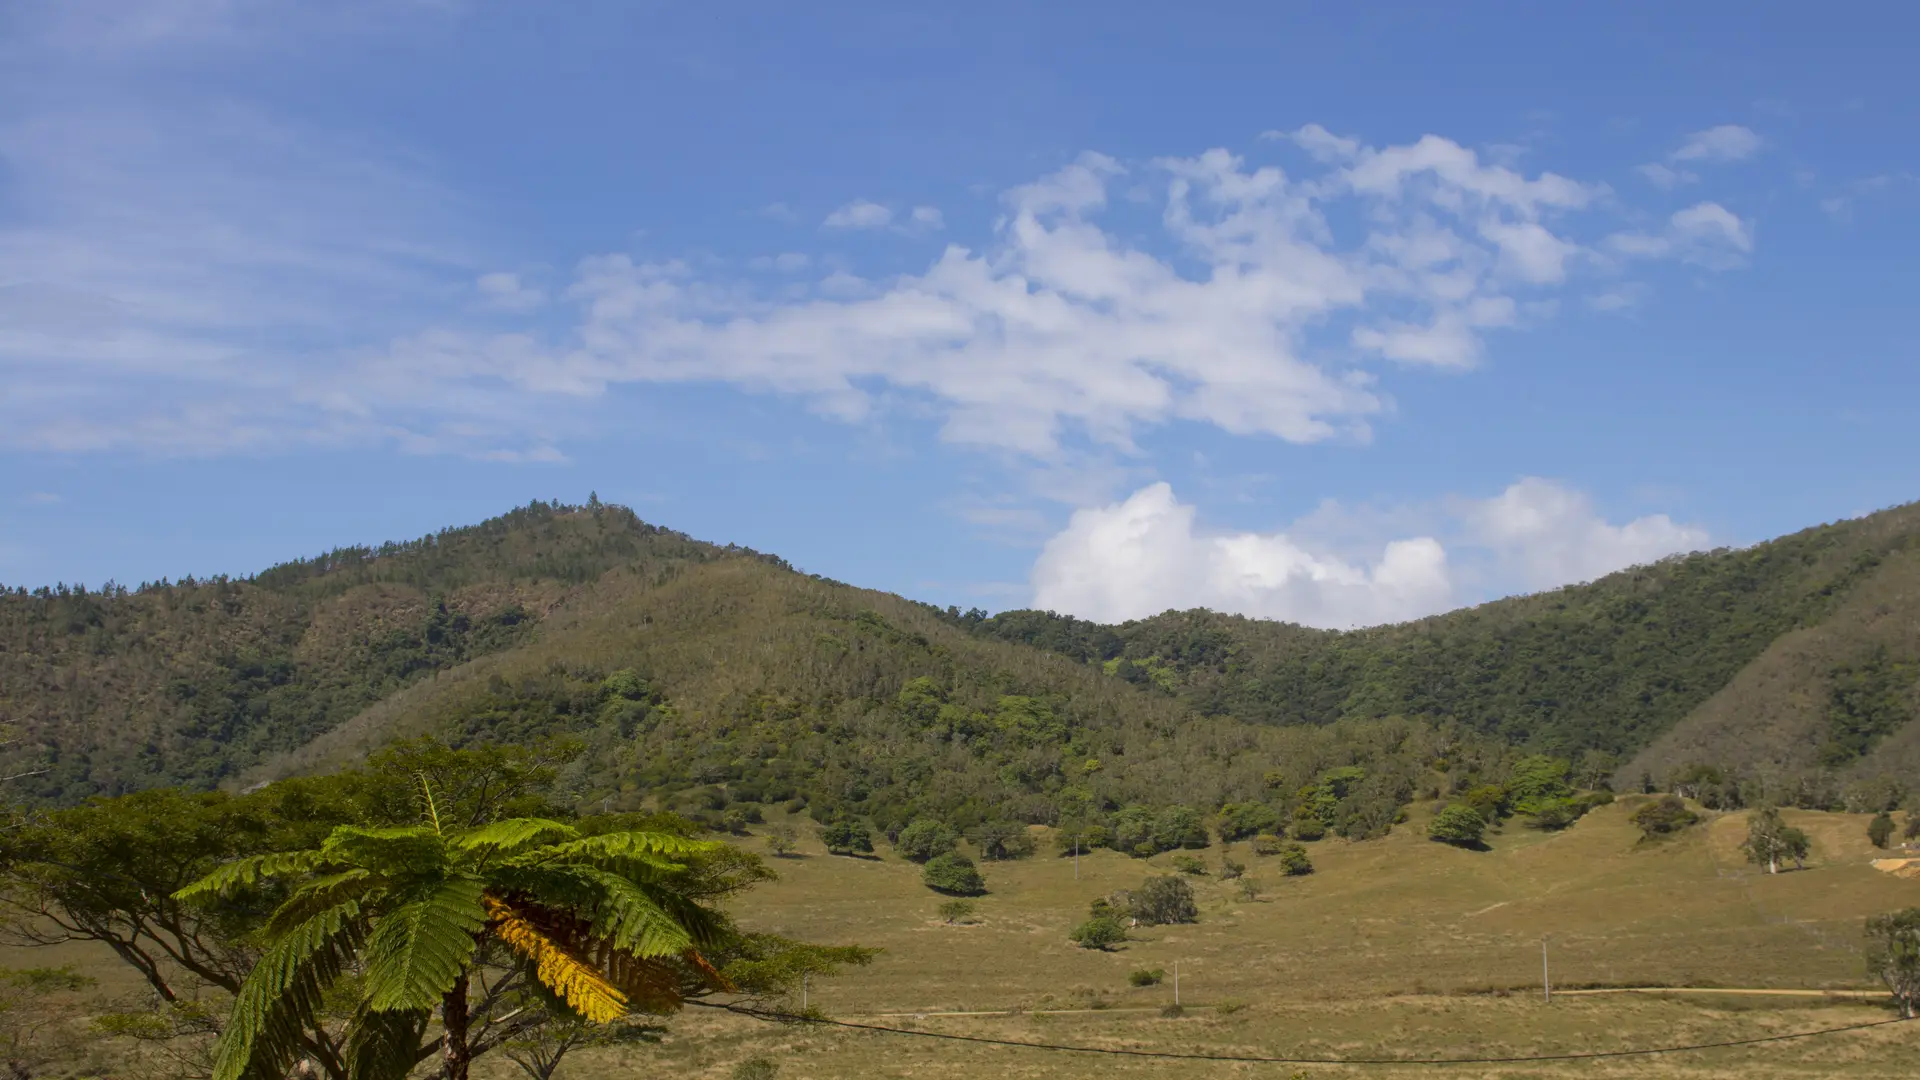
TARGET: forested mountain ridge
(696,672)
(1611,665)
(114,689)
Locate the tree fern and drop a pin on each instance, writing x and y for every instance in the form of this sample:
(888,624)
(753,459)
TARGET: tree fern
(418,950)
(282,995)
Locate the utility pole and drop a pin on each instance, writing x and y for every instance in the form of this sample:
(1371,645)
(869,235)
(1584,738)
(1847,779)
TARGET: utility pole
(1546,983)
(1176,982)
(1076,858)
(803,994)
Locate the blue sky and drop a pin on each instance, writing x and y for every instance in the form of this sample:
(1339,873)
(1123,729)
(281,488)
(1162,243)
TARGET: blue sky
(1340,316)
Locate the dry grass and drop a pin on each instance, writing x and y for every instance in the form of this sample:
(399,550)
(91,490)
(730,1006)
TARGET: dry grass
(1396,947)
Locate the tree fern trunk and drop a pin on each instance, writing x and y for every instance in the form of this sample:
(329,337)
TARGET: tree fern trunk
(455,1054)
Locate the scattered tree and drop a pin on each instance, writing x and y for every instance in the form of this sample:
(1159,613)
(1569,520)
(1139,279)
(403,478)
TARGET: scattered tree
(1893,956)
(953,874)
(1230,870)
(1459,825)
(1294,861)
(1912,831)
(1188,864)
(998,840)
(1100,932)
(953,911)
(1249,889)
(1770,840)
(1146,976)
(1880,829)
(783,840)
(1663,816)
(1268,844)
(846,838)
(1164,899)
(925,839)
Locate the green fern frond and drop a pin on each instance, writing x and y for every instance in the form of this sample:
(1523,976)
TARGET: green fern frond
(420,949)
(511,835)
(282,995)
(647,847)
(316,895)
(245,873)
(398,850)
(634,921)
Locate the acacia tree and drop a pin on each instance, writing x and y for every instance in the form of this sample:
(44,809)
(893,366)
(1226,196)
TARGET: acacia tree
(1770,839)
(1893,956)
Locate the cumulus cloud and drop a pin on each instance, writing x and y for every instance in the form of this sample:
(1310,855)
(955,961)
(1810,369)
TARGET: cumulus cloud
(1549,535)
(1146,554)
(859,214)
(928,218)
(1142,556)
(787,262)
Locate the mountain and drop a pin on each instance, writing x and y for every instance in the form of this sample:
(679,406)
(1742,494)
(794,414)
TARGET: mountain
(711,675)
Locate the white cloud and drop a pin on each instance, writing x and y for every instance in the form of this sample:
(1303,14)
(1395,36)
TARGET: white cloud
(1705,234)
(1547,535)
(1665,175)
(1142,556)
(1145,554)
(210,279)
(1728,142)
(506,292)
(859,214)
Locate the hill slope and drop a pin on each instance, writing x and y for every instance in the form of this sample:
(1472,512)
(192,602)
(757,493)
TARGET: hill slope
(691,668)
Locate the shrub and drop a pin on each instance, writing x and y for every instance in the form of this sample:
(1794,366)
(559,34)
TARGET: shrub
(1268,844)
(953,874)
(1100,932)
(1187,864)
(1229,870)
(1663,816)
(1459,825)
(1912,831)
(1294,861)
(953,911)
(1308,827)
(758,1067)
(924,839)
(782,840)
(1552,815)
(1880,829)
(1146,977)
(737,818)
(1249,889)
(1164,899)
(846,837)
(1002,840)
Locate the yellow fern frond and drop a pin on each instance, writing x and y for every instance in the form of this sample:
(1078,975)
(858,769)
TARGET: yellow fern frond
(575,981)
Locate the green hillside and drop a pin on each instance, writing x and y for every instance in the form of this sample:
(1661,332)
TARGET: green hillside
(709,676)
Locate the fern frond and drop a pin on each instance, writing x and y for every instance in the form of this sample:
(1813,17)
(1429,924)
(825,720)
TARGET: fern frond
(245,873)
(575,981)
(317,895)
(282,995)
(384,1045)
(644,846)
(396,850)
(630,918)
(509,836)
(420,949)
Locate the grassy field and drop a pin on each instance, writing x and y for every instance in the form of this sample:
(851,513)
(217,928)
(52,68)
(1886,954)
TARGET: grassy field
(1393,948)
(1397,947)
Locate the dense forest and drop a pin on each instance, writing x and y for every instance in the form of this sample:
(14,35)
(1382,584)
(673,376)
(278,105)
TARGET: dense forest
(708,679)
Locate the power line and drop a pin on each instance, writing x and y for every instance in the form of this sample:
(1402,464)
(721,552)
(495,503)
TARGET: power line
(1514,1059)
